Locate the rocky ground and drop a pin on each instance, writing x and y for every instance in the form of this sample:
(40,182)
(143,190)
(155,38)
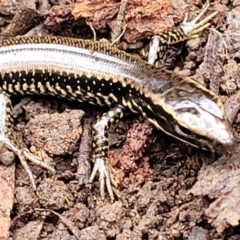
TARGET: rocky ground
(166,189)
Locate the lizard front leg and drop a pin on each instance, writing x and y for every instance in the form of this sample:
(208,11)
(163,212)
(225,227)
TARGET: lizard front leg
(101,148)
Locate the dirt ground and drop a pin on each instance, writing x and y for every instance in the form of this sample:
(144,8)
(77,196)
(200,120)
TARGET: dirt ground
(166,189)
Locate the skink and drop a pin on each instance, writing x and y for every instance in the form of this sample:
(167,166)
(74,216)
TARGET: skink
(98,74)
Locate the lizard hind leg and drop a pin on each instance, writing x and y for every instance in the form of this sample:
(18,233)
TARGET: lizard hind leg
(7,139)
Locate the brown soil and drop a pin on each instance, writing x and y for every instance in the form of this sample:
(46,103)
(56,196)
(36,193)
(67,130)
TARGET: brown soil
(166,189)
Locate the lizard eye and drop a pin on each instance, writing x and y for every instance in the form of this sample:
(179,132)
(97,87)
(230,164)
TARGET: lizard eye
(183,131)
(219,146)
